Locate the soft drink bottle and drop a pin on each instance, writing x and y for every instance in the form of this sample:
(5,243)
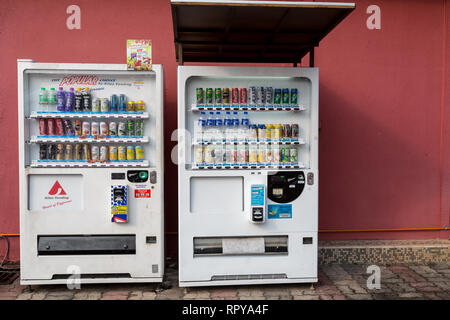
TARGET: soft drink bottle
(70,99)
(86,100)
(219,127)
(52,96)
(199,128)
(61,100)
(78,105)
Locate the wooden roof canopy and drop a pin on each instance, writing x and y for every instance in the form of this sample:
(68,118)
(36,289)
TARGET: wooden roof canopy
(252,31)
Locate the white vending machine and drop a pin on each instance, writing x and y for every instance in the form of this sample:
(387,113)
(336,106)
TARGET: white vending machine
(248,179)
(90,173)
(248,139)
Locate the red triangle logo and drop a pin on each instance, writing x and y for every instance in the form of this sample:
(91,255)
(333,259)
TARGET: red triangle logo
(57,189)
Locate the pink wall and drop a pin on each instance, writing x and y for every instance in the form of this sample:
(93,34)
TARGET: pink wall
(385,137)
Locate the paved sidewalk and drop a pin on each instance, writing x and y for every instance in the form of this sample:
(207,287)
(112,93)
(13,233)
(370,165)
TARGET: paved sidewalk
(336,282)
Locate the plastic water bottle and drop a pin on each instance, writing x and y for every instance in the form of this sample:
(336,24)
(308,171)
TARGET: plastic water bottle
(228,127)
(243,130)
(70,99)
(236,124)
(219,127)
(52,96)
(61,100)
(199,128)
(43,98)
(210,128)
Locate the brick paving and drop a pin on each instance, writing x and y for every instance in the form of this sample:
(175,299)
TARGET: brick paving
(336,282)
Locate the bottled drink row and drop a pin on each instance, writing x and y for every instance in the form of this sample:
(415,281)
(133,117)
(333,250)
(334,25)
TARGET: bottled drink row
(245,155)
(86,152)
(236,128)
(81,100)
(247,96)
(65,127)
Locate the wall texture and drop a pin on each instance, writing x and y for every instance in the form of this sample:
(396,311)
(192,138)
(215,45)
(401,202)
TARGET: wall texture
(384,98)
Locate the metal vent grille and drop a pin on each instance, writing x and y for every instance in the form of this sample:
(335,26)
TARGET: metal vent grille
(249,277)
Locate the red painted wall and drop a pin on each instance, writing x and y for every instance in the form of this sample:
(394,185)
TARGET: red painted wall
(385,137)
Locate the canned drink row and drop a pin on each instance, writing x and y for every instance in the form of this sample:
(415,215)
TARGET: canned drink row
(273,132)
(242,155)
(65,127)
(254,95)
(86,152)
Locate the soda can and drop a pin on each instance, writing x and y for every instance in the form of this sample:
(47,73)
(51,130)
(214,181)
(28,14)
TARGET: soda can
(242,154)
(122,103)
(199,92)
(269,129)
(86,128)
(122,153)
(295,131)
(293,155)
(113,153)
(139,128)
(294,96)
(139,153)
(104,128)
(130,153)
(112,129)
(209,154)
(78,128)
(103,153)
(52,151)
(59,127)
(43,127)
(95,129)
(260,96)
(243,98)
(60,152)
(104,105)
(269,155)
(285,154)
(262,154)
(285,96)
(226,95)
(78,152)
(252,95)
(43,151)
(140,106)
(277,96)
(130,128)
(209,96)
(218,155)
(218,95)
(86,152)
(69,152)
(276,151)
(252,154)
(122,129)
(287,131)
(68,128)
(95,153)
(269,95)
(51,126)
(114,104)
(198,155)
(96,105)
(235,96)
(131,106)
